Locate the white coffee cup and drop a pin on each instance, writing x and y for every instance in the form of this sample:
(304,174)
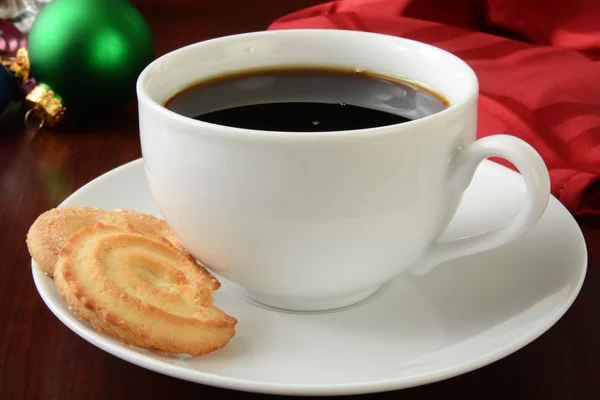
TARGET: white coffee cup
(313,221)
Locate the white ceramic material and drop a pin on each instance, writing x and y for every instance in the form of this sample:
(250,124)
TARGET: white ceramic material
(415,330)
(311,221)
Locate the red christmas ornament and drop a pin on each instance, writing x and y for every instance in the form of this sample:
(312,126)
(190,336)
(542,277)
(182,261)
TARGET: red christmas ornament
(11,39)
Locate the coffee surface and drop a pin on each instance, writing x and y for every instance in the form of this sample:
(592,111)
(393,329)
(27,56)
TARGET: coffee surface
(305,99)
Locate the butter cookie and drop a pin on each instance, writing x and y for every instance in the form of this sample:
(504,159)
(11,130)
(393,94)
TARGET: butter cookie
(51,230)
(141,290)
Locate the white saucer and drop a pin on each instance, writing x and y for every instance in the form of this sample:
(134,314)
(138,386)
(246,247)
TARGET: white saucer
(415,330)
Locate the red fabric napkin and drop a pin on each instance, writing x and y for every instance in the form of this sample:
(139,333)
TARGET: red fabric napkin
(538,63)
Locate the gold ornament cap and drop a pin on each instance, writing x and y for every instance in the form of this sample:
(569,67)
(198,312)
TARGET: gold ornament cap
(19,65)
(45,105)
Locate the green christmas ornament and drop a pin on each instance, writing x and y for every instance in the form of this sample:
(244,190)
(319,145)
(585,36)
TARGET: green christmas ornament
(89,52)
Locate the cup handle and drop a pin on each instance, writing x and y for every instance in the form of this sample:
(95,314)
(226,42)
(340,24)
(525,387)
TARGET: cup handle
(537,183)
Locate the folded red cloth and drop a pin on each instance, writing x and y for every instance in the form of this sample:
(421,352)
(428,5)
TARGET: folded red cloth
(544,88)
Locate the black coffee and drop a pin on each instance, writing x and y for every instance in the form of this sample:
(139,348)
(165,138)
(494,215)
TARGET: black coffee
(306,99)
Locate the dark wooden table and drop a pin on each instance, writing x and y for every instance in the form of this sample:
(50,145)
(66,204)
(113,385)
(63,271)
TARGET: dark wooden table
(40,358)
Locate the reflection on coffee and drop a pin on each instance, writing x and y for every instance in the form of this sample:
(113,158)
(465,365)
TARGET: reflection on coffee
(306,99)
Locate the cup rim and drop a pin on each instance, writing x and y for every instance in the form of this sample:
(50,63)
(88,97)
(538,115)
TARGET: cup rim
(144,97)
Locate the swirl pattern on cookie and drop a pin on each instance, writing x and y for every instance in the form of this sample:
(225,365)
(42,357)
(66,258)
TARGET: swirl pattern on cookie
(140,290)
(155,227)
(51,230)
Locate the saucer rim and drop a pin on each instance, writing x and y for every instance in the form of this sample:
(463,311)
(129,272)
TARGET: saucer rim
(130,355)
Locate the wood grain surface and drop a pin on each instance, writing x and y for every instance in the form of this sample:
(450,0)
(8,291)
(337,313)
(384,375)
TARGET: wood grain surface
(40,358)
